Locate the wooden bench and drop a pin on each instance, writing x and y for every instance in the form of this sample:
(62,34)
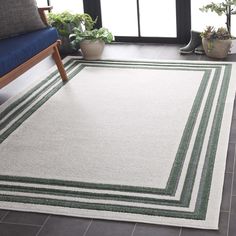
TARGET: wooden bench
(52,49)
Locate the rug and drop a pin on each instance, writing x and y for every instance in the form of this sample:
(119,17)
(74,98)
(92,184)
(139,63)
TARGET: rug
(121,140)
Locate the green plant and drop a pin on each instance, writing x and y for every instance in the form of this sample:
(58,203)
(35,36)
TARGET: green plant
(66,21)
(95,34)
(211,34)
(227,8)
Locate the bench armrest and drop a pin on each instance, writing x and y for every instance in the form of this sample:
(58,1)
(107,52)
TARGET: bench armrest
(42,13)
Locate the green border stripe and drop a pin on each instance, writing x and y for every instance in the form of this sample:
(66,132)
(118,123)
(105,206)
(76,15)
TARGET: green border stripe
(18,122)
(174,174)
(27,94)
(166,63)
(208,168)
(198,214)
(197,148)
(185,198)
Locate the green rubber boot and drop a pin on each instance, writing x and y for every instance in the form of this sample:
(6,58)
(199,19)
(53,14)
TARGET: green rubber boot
(194,42)
(199,50)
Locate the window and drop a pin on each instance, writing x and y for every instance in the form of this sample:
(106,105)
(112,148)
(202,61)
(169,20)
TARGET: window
(144,21)
(136,20)
(122,21)
(139,18)
(154,20)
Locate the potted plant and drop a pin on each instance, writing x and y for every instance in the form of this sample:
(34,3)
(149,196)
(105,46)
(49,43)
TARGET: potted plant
(227,8)
(216,43)
(64,22)
(91,42)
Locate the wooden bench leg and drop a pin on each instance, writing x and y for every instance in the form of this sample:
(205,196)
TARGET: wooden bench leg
(57,58)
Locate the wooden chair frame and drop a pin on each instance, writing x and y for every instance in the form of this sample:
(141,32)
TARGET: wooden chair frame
(51,50)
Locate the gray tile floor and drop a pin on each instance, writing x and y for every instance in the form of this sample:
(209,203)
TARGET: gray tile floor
(14,223)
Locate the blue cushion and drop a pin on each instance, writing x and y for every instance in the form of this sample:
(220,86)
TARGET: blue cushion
(17,50)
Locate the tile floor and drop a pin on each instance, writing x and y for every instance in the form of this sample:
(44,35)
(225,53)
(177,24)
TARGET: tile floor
(14,223)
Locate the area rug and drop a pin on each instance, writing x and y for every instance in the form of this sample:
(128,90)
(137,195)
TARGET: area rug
(121,140)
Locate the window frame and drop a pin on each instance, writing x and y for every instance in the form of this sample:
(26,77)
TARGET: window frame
(183,23)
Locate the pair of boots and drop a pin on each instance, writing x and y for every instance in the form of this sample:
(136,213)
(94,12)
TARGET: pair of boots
(194,45)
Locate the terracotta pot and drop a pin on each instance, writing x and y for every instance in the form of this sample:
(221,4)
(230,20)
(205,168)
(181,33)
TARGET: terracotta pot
(216,48)
(92,49)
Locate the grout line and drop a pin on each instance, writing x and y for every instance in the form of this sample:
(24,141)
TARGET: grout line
(134,229)
(229,172)
(85,232)
(44,223)
(13,223)
(231,192)
(1,220)
(180,231)
(225,211)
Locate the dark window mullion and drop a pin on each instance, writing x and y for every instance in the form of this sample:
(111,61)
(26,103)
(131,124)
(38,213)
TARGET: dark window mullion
(183,14)
(93,8)
(138,19)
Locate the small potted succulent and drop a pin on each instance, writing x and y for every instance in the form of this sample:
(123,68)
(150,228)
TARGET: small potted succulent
(91,42)
(216,42)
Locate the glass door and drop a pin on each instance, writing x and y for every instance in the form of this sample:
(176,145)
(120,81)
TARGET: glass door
(148,21)
(158,18)
(154,21)
(121,21)
(140,18)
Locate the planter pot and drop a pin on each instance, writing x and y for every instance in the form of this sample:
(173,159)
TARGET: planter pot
(216,48)
(66,47)
(92,49)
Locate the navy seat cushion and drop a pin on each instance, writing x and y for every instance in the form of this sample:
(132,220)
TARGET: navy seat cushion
(16,50)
